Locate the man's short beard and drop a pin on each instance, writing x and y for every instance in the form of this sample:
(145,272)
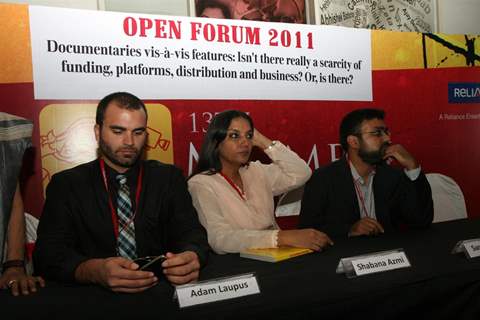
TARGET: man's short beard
(373,157)
(107,152)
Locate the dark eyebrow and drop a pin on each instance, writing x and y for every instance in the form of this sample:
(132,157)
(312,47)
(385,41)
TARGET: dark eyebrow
(236,130)
(114,127)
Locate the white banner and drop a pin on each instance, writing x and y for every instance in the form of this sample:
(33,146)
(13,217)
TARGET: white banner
(80,54)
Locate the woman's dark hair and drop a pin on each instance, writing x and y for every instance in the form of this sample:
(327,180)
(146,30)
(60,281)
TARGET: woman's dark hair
(209,159)
(201,5)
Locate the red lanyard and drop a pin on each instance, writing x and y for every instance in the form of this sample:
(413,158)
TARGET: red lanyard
(234,186)
(360,195)
(358,191)
(110,203)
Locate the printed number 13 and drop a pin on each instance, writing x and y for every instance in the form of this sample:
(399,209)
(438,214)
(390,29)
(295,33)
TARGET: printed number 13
(205,118)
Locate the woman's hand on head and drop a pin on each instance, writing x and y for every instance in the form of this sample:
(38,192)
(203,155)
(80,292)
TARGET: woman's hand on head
(259,140)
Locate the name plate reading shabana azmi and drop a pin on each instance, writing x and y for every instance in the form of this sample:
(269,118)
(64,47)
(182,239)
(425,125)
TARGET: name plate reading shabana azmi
(217,290)
(373,262)
(380,263)
(471,248)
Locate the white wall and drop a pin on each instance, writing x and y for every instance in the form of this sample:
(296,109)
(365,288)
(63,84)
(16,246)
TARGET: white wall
(459,16)
(166,7)
(79,4)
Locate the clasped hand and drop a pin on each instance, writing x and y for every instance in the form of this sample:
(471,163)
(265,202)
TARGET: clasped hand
(399,153)
(366,226)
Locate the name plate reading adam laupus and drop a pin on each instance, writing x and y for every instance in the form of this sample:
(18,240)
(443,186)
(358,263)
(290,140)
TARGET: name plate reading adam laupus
(471,248)
(217,289)
(373,263)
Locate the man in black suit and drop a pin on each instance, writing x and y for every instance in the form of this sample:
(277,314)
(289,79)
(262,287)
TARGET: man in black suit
(83,227)
(361,194)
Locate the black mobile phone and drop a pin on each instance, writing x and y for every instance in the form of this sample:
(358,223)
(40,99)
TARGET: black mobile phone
(150,263)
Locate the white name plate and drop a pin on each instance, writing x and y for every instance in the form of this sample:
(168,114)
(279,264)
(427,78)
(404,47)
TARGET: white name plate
(373,262)
(471,248)
(216,290)
(380,263)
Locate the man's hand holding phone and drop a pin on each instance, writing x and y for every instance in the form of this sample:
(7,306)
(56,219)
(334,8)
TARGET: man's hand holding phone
(182,267)
(116,273)
(150,263)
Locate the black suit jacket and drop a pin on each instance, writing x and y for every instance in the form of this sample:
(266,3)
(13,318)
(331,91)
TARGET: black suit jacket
(76,223)
(330,203)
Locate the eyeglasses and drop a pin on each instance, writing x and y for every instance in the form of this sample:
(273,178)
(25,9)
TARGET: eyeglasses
(378,132)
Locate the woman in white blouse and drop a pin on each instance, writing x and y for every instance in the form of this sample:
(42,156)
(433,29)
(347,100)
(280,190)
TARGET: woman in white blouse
(234,197)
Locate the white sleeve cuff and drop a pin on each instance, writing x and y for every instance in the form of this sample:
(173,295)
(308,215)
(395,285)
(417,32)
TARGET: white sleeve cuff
(414,173)
(275,238)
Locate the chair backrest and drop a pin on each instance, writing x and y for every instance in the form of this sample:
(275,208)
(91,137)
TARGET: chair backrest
(448,200)
(289,203)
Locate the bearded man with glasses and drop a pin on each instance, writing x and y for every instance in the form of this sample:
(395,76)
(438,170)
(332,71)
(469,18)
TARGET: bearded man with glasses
(361,194)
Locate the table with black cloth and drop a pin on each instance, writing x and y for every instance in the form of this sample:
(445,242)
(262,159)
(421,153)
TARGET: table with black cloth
(439,285)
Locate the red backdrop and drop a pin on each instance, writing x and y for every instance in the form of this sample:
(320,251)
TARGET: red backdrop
(413,100)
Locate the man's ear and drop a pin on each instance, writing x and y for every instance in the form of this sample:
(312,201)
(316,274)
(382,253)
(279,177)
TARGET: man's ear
(353,142)
(97,129)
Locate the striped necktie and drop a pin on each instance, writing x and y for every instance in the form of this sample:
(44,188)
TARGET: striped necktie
(126,228)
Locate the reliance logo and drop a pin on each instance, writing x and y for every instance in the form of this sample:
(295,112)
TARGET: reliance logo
(467,92)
